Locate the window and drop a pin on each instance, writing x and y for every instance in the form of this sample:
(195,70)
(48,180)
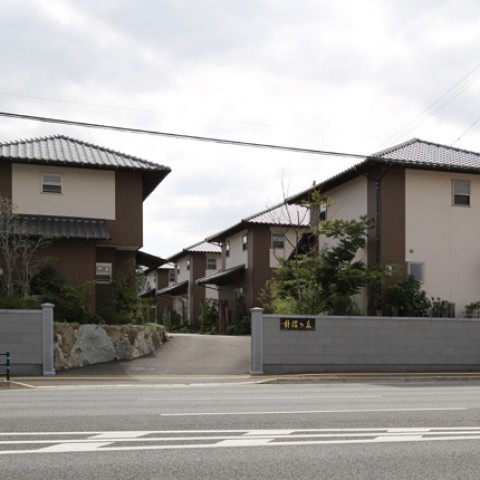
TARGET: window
(415,269)
(244,241)
(278,240)
(461,193)
(323,212)
(51,183)
(103,273)
(211,263)
(188,264)
(171,275)
(227,248)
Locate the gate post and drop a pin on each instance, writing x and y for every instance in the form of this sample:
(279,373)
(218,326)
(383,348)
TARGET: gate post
(256,315)
(47,320)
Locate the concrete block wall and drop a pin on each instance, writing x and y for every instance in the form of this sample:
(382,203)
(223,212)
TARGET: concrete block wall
(28,336)
(365,344)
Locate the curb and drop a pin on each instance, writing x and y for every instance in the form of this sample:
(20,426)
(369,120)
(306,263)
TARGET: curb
(9,385)
(306,379)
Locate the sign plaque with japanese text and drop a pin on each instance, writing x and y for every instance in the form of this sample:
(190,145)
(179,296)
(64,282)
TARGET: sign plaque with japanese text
(302,324)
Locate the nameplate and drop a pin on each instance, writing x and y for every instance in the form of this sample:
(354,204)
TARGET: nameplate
(304,324)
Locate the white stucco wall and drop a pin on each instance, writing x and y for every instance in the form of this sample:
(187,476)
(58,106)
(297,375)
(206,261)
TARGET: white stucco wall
(292,236)
(444,237)
(349,202)
(237,255)
(183,274)
(211,291)
(86,193)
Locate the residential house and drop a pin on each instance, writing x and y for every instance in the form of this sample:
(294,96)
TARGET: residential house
(87,199)
(250,254)
(425,199)
(192,263)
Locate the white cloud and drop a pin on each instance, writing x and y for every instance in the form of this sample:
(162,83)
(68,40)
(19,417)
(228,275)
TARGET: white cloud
(342,76)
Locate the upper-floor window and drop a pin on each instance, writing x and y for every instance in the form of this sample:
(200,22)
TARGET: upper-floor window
(171,275)
(244,241)
(461,193)
(188,264)
(51,183)
(211,263)
(278,240)
(227,248)
(323,212)
(103,273)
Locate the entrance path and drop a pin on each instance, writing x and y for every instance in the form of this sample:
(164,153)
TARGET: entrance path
(183,354)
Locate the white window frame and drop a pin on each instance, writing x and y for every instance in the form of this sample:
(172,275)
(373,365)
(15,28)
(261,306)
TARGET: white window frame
(227,248)
(50,185)
(460,195)
(245,242)
(278,240)
(211,261)
(103,272)
(171,275)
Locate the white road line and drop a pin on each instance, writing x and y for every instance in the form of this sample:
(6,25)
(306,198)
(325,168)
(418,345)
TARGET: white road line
(233,443)
(118,435)
(69,447)
(300,412)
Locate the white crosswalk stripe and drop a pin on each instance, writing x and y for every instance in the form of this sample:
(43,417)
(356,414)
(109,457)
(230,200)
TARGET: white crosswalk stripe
(109,441)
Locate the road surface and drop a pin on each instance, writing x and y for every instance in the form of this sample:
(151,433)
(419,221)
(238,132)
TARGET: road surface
(318,431)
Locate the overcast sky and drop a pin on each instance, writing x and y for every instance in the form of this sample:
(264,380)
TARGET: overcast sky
(339,75)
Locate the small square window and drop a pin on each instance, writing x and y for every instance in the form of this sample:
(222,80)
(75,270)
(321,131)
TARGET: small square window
(211,263)
(103,273)
(416,270)
(51,183)
(278,240)
(244,241)
(461,193)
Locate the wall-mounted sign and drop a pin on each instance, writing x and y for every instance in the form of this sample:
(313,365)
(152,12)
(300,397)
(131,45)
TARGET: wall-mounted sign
(307,324)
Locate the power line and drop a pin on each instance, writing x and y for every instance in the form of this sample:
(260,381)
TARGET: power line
(434,108)
(178,136)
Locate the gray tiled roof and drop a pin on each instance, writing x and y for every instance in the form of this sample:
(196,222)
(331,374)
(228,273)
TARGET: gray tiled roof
(200,247)
(421,153)
(414,153)
(64,227)
(205,247)
(222,277)
(63,150)
(173,290)
(284,215)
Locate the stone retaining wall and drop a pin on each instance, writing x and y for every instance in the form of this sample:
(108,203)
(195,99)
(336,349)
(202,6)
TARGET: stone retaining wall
(79,345)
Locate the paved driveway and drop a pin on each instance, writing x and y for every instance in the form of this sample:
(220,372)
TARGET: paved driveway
(183,354)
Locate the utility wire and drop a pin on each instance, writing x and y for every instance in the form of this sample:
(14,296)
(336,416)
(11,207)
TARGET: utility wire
(409,126)
(178,136)
(467,130)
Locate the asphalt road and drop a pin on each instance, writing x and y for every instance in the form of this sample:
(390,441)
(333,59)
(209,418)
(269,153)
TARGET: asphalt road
(203,358)
(319,431)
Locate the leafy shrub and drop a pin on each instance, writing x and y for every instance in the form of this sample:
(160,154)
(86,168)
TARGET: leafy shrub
(409,298)
(70,301)
(209,315)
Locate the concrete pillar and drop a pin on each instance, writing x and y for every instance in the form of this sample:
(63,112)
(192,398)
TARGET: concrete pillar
(47,320)
(256,315)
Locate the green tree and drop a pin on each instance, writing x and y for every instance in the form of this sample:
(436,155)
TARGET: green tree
(328,283)
(19,259)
